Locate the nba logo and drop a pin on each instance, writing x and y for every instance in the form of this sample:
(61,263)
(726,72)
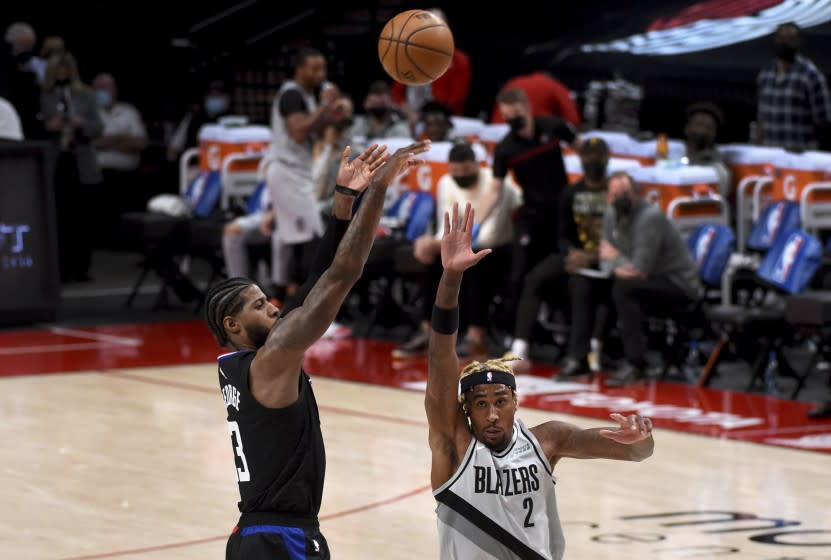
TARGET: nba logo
(703,245)
(774,221)
(490,377)
(785,264)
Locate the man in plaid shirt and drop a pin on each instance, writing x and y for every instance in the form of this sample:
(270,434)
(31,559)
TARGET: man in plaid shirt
(794,108)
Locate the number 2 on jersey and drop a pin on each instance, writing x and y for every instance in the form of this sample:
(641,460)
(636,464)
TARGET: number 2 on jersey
(528,504)
(243,474)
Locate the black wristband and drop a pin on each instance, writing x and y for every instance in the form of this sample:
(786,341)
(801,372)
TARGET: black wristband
(445,321)
(346,190)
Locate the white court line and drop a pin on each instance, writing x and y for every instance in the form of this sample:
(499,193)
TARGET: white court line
(52,348)
(101,337)
(777,431)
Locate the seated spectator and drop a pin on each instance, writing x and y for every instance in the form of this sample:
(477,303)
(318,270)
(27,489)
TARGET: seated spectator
(652,270)
(467,182)
(381,119)
(435,123)
(215,104)
(582,206)
(119,149)
(701,132)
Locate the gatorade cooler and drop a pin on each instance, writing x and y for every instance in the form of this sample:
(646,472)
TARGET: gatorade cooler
(217,141)
(745,160)
(661,184)
(792,172)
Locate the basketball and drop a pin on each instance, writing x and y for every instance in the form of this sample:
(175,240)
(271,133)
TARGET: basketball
(415,47)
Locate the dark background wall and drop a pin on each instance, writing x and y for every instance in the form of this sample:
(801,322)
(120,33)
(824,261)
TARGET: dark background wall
(135,41)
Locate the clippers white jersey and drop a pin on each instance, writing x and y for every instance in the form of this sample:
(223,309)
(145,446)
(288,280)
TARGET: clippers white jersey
(500,505)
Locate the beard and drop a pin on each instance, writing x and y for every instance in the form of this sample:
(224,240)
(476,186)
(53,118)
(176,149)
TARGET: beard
(258,334)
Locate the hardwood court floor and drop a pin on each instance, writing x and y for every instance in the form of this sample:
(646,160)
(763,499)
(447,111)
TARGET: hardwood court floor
(136,462)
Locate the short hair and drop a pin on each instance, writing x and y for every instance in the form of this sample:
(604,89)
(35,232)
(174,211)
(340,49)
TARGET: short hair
(637,188)
(379,87)
(705,107)
(496,364)
(790,24)
(461,152)
(302,54)
(436,107)
(224,299)
(512,95)
(19,29)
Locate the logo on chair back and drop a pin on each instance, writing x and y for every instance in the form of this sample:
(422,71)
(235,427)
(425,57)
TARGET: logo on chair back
(786,261)
(702,247)
(774,221)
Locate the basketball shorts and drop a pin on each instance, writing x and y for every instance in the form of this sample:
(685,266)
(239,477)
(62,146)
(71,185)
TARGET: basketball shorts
(267,541)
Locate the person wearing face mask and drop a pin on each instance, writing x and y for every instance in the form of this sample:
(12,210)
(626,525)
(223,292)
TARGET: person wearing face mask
(214,104)
(467,181)
(651,268)
(581,213)
(530,151)
(118,150)
(701,130)
(24,78)
(381,119)
(793,102)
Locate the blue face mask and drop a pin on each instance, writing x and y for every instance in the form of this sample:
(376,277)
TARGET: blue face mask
(104,98)
(215,105)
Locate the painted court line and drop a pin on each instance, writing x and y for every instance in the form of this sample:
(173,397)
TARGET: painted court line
(201,389)
(183,544)
(101,337)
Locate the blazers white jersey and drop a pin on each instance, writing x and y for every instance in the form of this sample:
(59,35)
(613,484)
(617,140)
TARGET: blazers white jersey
(500,505)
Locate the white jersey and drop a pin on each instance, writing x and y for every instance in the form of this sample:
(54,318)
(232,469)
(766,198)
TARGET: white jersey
(500,505)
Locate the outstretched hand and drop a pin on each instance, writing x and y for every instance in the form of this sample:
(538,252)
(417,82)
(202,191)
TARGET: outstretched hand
(633,429)
(457,242)
(357,174)
(403,159)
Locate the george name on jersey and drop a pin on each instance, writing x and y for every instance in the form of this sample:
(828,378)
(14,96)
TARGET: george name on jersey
(507,482)
(230,395)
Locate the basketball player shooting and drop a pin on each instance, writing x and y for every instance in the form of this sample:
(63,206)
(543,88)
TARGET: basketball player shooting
(272,413)
(491,475)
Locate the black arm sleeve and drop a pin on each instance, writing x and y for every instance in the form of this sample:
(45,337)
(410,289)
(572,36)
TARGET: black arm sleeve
(323,258)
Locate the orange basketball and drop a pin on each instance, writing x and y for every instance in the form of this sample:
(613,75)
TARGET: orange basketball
(415,47)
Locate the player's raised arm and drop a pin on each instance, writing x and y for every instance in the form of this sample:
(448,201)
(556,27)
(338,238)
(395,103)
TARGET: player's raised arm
(292,335)
(444,413)
(630,441)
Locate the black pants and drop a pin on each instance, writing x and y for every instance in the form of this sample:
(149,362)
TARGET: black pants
(74,203)
(267,540)
(535,237)
(591,300)
(479,286)
(634,300)
(544,279)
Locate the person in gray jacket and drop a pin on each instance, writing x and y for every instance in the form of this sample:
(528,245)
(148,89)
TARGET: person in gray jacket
(652,271)
(70,115)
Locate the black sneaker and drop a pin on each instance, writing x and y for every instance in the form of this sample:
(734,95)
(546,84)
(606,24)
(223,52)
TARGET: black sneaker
(823,411)
(573,369)
(413,348)
(626,374)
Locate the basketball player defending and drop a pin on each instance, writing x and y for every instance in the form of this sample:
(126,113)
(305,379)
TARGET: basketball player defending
(491,475)
(272,413)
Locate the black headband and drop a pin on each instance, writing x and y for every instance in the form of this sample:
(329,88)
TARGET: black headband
(484,377)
